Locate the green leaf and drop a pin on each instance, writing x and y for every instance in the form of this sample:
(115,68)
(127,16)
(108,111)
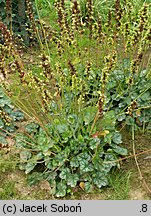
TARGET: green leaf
(109,120)
(100,180)
(29,167)
(130,120)
(97,162)
(72,119)
(25,155)
(126,63)
(85,166)
(88,187)
(62,128)
(64,173)
(34,178)
(64,131)
(80,138)
(3,140)
(10,128)
(17,115)
(110,157)
(121,117)
(108,138)
(49,165)
(1,123)
(146,96)
(44,142)
(21,141)
(89,114)
(42,138)
(74,162)
(61,189)
(72,180)
(85,176)
(128,100)
(83,156)
(120,150)
(60,158)
(117,138)
(53,186)
(94,143)
(107,167)
(50,176)
(31,128)
(4,101)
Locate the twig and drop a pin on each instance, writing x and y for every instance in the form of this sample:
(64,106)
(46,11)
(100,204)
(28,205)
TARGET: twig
(131,156)
(135,157)
(95,119)
(137,164)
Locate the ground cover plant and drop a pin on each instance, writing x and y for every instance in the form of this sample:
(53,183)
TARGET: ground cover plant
(8,117)
(91,79)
